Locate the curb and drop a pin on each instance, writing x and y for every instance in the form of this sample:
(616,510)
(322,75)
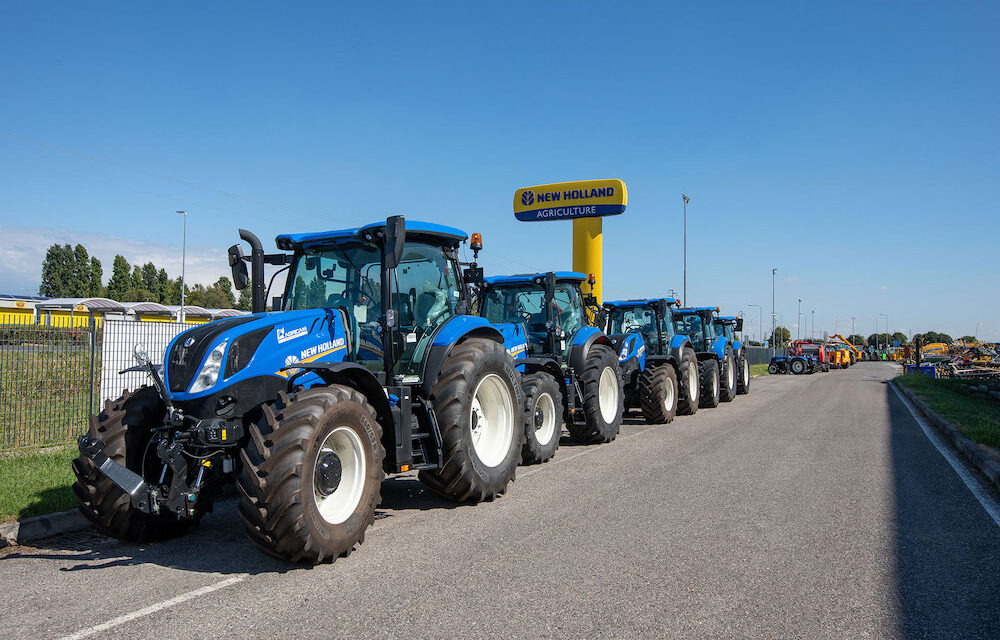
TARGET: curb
(979,459)
(38,527)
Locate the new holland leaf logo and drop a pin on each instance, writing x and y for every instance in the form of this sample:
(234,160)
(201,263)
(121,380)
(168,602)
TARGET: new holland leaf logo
(527,198)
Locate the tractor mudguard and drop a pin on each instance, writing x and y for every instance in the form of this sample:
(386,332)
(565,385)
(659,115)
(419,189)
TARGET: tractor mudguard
(350,374)
(456,330)
(581,343)
(677,345)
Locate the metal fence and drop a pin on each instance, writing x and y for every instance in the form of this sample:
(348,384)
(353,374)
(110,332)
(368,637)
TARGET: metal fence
(53,378)
(762,355)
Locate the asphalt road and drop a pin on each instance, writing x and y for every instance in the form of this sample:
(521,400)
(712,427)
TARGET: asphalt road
(815,507)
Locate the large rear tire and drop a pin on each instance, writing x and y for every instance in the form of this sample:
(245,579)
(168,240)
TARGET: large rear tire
(658,394)
(124,426)
(728,376)
(312,474)
(544,419)
(687,383)
(743,377)
(479,404)
(710,392)
(602,398)
(798,367)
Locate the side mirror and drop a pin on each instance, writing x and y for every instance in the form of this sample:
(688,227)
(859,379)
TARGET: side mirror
(590,301)
(239,267)
(277,303)
(739,324)
(474,275)
(395,239)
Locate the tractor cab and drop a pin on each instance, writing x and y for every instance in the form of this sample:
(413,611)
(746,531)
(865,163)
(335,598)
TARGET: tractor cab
(649,318)
(728,326)
(551,306)
(698,324)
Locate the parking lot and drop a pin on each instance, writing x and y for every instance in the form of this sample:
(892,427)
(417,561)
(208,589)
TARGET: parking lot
(814,507)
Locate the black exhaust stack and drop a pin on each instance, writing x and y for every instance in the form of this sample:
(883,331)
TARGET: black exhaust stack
(256,271)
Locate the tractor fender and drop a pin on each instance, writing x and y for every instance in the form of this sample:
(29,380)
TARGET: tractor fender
(678,344)
(352,374)
(455,331)
(544,365)
(583,340)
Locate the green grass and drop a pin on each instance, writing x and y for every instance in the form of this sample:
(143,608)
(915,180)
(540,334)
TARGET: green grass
(975,414)
(35,483)
(758,370)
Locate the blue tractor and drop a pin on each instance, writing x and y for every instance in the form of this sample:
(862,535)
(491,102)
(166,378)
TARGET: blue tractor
(716,357)
(728,327)
(373,365)
(659,366)
(571,372)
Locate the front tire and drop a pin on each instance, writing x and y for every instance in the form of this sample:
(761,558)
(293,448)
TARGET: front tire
(743,379)
(544,418)
(710,392)
(728,376)
(658,394)
(312,474)
(602,398)
(690,388)
(772,369)
(479,405)
(124,426)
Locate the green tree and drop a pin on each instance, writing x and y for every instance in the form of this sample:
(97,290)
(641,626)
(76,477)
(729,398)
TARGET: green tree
(781,336)
(245,300)
(856,339)
(900,336)
(151,281)
(96,273)
(56,273)
(968,338)
(79,282)
(163,286)
(120,280)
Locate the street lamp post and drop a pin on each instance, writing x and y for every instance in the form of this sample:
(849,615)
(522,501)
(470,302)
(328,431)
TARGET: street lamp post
(812,331)
(686,200)
(853,330)
(887,336)
(180,316)
(976,334)
(773,272)
(760,312)
(798,321)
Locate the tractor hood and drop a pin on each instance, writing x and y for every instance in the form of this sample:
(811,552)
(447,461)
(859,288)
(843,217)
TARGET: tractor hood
(218,354)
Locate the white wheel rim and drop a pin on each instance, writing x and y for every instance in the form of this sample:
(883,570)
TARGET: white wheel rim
(668,396)
(746,370)
(692,380)
(730,374)
(547,429)
(338,506)
(607,394)
(715,385)
(492,420)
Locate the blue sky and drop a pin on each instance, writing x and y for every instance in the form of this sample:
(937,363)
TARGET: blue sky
(854,146)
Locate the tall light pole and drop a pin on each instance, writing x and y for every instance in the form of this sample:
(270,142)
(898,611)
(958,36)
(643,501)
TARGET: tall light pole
(180,316)
(685,200)
(812,331)
(976,334)
(887,336)
(773,272)
(853,330)
(798,321)
(760,313)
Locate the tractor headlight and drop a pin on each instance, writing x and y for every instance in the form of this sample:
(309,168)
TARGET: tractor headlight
(209,373)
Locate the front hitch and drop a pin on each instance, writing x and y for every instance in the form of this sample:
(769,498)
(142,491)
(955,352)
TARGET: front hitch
(127,480)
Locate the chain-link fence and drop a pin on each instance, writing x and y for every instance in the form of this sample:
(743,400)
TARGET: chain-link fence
(53,378)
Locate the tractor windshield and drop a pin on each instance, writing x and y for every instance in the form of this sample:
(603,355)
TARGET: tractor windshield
(525,303)
(641,320)
(694,327)
(346,277)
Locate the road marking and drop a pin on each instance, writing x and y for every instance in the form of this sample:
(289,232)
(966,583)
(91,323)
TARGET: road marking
(973,483)
(153,608)
(589,449)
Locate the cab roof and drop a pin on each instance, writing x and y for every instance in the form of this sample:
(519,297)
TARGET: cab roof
(639,302)
(690,310)
(529,278)
(428,230)
(727,318)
